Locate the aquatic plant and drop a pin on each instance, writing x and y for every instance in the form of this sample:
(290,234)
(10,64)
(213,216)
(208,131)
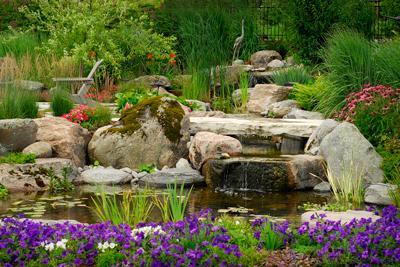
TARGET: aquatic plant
(60,184)
(132,209)
(178,200)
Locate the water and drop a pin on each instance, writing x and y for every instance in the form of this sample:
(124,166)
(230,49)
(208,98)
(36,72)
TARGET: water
(78,206)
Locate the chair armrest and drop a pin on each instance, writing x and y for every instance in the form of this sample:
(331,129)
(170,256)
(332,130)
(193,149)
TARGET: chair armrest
(73,80)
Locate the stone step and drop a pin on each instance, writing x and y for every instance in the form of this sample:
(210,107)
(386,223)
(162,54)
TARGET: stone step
(263,127)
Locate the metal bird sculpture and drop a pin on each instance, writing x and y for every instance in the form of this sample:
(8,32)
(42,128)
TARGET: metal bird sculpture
(238,43)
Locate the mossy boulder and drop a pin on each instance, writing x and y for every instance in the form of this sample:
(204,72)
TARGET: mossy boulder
(155,131)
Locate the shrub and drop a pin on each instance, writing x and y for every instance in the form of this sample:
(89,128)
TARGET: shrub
(61,102)
(309,95)
(88,117)
(17,102)
(292,75)
(18,158)
(310,20)
(125,31)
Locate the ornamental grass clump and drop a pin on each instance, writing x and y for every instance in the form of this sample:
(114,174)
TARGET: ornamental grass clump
(292,75)
(61,102)
(18,102)
(347,185)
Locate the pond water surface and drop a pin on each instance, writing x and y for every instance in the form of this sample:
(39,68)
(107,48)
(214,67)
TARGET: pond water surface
(79,204)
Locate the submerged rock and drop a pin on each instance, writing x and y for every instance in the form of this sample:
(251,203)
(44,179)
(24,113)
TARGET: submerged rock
(152,132)
(207,145)
(179,176)
(35,176)
(344,148)
(379,194)
(68,140)
(107,176)
(16,134)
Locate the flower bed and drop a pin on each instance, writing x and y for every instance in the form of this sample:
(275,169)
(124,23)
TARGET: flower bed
(199,240)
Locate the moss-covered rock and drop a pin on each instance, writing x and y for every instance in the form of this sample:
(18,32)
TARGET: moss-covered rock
(155,131)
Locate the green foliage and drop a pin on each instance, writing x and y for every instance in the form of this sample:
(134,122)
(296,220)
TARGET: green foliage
(206,30)
(244,89)
(395,192)
(18,158)
(292,75)
(310,20)
(61,102)
(3,192)
(389,149)
(270,239)
(198,87)
(332,206)
(178,200)
(18,44)
(308,95)
(60,184)
(130,96)
(17,102)
(10,17)
(149,168)
(99,116)
(352,61)
(119,33)
(132,209)
(109,258)
(348,187)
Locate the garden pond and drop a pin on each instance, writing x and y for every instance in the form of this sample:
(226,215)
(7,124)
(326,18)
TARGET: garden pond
(78,205)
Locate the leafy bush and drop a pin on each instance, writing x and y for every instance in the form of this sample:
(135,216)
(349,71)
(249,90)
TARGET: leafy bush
(17,102)
(310,20)
(61,102)
(292,75)
(124,30)
(149,168)
(18,158)
(88,117)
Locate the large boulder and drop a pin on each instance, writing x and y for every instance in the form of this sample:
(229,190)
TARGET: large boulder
(16,134)
(379,194)
(265,94)
(106,176)
(36,176)
(300,114)
(68,140)
(280,109)
(207,145)
(40,149)
(152,132)
(345,147)
(313,143)
(305,171)
(261,59)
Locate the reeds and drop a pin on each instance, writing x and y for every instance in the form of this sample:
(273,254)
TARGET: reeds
(17,102)
(292,75)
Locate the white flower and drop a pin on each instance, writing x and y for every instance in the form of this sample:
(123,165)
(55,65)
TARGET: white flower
(219,220)
(62,244)
(112,245)
(148,230)
(49,247)
(105,245)
(237,222)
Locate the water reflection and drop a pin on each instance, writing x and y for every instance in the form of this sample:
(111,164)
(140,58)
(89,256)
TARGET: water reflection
(77,206)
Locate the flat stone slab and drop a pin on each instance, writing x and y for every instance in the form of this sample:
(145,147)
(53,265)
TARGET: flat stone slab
(253,126)
(344,216)
(106,176)
(170,176)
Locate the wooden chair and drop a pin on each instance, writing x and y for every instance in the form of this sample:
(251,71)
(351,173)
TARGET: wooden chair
(79,98)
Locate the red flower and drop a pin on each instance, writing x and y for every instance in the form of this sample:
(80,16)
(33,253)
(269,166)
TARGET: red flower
(172,55)
(149,56)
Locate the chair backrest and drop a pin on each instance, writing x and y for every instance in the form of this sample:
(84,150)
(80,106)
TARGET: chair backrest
(93,71)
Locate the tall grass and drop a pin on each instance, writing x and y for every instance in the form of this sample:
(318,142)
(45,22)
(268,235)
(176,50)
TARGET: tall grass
(131,209)
(348,186)
(309,95)
(19,44)
(17,103)
(351,61)
(199,86)
(61,102)
(394,193)
(178,200)
(244,90)
(292,75)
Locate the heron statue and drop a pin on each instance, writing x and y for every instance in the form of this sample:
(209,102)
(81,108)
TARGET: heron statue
(238,43)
